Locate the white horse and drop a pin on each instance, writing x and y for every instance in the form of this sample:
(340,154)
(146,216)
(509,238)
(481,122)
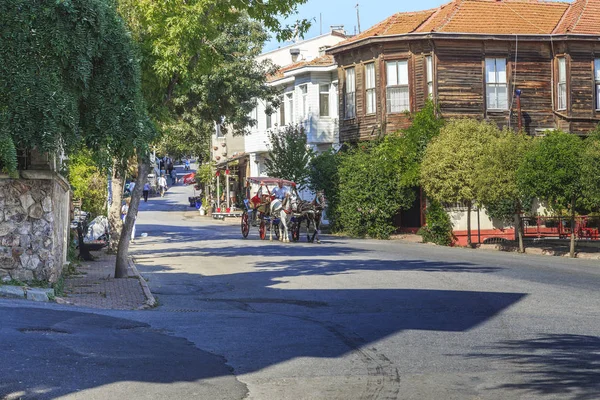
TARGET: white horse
(282,210)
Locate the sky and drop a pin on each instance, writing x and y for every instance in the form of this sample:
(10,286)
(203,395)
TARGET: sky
(343,12)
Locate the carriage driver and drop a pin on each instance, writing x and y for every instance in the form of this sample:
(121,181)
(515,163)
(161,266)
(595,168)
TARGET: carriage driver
(280,191)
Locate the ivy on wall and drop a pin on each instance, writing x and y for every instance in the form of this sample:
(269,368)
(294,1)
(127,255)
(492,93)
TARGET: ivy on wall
(69,76)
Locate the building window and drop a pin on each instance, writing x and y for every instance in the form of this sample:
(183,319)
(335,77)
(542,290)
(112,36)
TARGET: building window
(370,88)
(429,77)
(562,84)
(269,123)
(289,108)
(496,86)
(350,99)
(597,81)
(324,100)
(335,108)
(398,98)
(304,93)
(281,111)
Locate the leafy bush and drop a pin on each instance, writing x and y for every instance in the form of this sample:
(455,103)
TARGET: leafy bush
(438,229)
(89,183)
(371,187)
(323,175)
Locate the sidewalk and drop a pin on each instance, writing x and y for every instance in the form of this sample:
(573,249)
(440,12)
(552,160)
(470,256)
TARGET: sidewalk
(548,247)
(95,286)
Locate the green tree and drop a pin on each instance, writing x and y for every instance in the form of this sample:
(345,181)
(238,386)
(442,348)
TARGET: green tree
(448,168)
(495,178)
(553,171)
(426,124)
(88,182)
(68,77)
(223,93)
(371,189)
(323,175)
(289,155)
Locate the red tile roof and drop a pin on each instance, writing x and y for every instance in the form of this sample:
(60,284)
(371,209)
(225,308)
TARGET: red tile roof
(502,17)
(583,17)
(323,61)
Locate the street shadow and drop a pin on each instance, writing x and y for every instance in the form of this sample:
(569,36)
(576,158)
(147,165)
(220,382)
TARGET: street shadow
(75,351)
(333,267)
(563,364)
(256,310)
(267,250)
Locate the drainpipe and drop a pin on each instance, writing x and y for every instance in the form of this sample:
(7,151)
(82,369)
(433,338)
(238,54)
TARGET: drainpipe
(520,121)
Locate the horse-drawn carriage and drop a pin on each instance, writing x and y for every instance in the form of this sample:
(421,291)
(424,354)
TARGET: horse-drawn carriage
(277,207)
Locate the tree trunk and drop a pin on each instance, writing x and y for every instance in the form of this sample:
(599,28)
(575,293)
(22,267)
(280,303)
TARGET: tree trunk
(114,212)
(519,227)
(572,250)
(469,225)
(123,250)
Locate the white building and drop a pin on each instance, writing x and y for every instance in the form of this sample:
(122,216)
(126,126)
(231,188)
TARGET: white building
(305,50)
(308,98)
(307,81)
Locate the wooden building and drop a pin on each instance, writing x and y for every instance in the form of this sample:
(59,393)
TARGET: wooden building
(471,57)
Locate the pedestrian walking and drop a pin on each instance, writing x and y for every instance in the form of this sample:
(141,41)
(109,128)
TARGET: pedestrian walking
(146,191)
(162,185)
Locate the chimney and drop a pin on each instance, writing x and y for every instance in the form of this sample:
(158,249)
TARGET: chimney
(322,50)
(338,29)
(294,53)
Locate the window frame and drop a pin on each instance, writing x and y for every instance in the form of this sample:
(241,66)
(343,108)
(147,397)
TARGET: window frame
(304,99)
(429,76)
(370,90)
(597,82)
(351,94)
(321,102)
(334,112)
(281,110)
(398,85)
(562,102)
(269,122)
(497,83)
(289,98)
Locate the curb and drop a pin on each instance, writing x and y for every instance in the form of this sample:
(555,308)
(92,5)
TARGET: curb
(150,300)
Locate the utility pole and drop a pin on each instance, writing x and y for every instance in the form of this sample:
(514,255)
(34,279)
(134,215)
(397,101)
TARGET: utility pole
(358,17)
(320,24)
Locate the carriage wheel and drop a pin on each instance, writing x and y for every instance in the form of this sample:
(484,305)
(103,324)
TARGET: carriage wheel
(262,230)
(245,225)
(295,231)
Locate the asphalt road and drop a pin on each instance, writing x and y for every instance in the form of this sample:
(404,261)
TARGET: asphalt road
(347,319)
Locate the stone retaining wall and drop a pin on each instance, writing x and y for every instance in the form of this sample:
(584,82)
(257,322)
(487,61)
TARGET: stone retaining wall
(34,225)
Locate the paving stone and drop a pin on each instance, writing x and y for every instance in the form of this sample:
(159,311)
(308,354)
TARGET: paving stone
(12,291)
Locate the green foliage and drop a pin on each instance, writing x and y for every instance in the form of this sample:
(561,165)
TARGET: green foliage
(552,170)
(371,187)
(289,155)
(591,171)
(375,180)
(323,175)
(438,229)
(8,154)
(88,182)
(68,75)
(495,179)
(205,174)
(449,165)
(199,63)
(426,124)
